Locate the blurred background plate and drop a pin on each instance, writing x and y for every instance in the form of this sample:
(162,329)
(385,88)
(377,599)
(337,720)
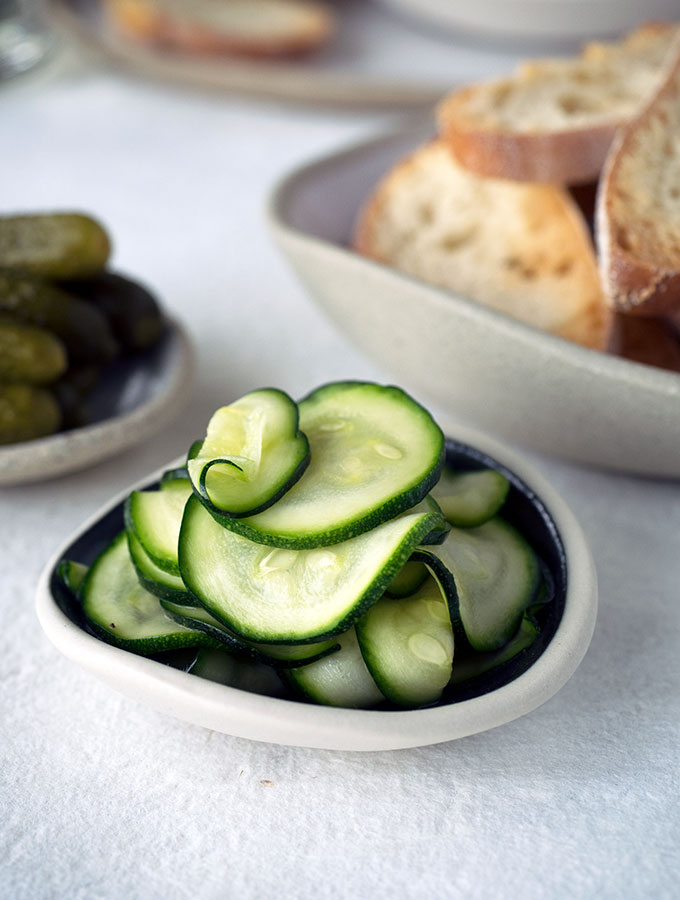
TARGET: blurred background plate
(135,398)
(375,59)
(535,20)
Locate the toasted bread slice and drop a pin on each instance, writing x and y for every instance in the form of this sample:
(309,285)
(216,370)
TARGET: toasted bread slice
(554,120)
(257,28)
(523,249)
(638,208)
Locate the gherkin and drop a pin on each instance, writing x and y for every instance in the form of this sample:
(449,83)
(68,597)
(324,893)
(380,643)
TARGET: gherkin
(133,312)
(26,413)
(29,354)
(82,328)
(56,245)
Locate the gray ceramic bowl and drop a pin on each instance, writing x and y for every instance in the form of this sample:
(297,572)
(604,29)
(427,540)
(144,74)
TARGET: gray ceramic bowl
(520,687)
(472,362)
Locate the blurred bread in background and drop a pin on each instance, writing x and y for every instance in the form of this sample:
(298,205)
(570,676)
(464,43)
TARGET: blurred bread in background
(250,28)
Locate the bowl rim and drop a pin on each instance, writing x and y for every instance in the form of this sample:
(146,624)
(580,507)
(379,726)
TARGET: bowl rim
(277,214)
(274,720)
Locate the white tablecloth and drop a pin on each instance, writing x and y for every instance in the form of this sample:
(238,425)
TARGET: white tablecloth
(101,797)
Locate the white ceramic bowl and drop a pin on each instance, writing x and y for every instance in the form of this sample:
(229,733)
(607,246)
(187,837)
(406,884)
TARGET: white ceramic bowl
(565,638)
(554,20)
(472,362)
(135,397)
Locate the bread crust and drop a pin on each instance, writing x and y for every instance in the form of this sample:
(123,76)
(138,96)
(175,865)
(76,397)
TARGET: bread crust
(573,156)
(570,151)
(636,278)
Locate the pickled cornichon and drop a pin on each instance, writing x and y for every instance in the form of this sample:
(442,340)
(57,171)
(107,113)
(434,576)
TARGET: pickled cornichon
(28,354)
(27,412)
(132,311)
(83,329)
(56,245)
(73,390)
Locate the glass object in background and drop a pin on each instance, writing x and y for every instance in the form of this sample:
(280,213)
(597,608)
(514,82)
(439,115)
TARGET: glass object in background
(24,37)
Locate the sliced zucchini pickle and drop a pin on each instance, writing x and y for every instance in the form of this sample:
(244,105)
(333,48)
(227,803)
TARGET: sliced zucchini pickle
(407,644)
(253,452)
(291,596)
(72,575)
(175,472)
(279,655)
(340,679)
(308,551)
(155,518)
(468,499)
(156,580)
(244,674)
(429,504)
(120,610)
(497,575)
(375,452)
(408,580)
(473,664)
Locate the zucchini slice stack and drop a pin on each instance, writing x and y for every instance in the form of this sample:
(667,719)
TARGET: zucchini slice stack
(308,539)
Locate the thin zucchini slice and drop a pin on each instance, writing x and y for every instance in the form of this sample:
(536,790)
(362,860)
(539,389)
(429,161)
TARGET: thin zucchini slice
(172,474)
(408,580)
(122,612)
(280,655)
(429,504)
(220,666)
(375,452)
(496,574)
(473,664)
(292,596)
(468,499)
(72,575)
(340,679)
(407,644)
(155,579)
(155,518)
(253,452)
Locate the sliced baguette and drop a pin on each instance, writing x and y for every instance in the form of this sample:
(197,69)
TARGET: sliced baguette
(554,120)
(638,208)
(523,249)
(257,28)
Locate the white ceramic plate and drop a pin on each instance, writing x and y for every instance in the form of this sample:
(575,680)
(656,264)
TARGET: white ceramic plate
(559,20)
(470,361)
(565,638)
(135,398)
